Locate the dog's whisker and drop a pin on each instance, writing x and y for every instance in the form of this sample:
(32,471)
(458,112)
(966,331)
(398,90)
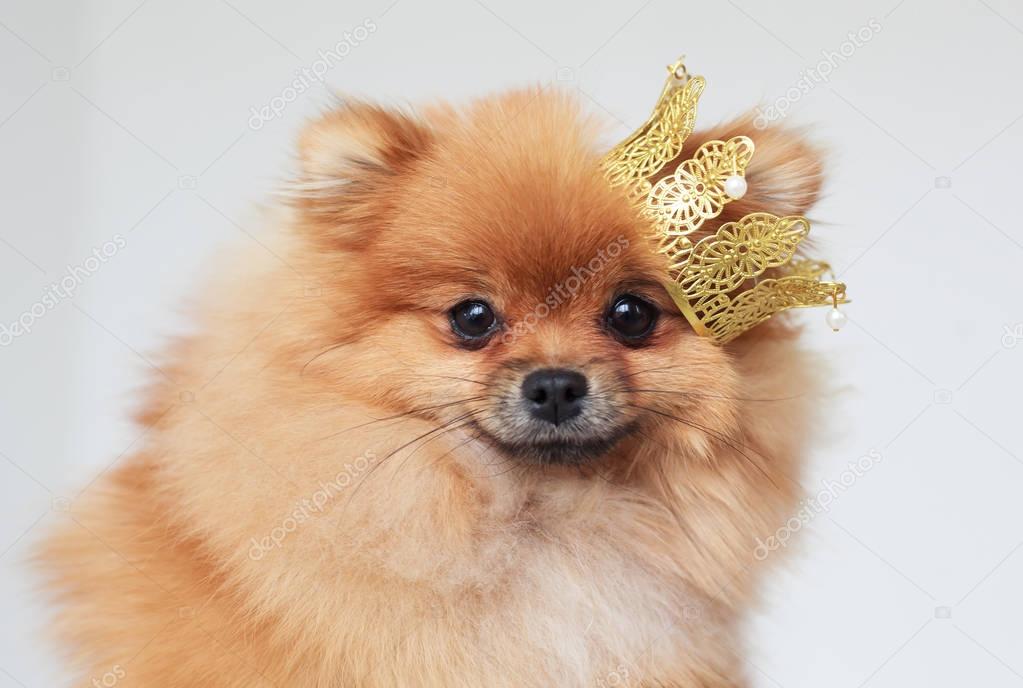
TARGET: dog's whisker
(703,395)
(644,371)
(440,429)
(473,436)
(326,351)
(411,414)
(727,441)
(454,377)
(513,465)
(448,427)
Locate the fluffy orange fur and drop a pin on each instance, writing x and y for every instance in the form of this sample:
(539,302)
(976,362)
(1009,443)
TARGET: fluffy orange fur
(316,502)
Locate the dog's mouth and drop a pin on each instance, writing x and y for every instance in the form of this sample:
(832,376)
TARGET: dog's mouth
(557,451)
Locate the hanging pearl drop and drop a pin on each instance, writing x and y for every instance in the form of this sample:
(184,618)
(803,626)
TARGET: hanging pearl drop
(735,186)
(836,319)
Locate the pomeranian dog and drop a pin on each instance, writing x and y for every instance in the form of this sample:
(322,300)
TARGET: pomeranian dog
(452,433)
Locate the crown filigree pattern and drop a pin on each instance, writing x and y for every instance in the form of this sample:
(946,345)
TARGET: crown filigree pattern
(660,139)
(720,283)
(681,202)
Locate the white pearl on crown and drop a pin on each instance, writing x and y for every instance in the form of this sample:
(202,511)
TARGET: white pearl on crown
(836,319)
(735,186)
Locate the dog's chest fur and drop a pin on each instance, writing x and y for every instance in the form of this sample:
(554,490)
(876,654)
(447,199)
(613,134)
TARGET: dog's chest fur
(572,594)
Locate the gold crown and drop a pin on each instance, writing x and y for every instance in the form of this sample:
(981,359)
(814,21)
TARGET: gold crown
(718,282)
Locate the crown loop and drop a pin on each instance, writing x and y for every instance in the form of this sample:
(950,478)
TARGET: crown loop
(679,74)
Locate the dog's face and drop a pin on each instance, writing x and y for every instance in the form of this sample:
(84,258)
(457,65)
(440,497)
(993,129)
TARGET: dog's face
(485,276)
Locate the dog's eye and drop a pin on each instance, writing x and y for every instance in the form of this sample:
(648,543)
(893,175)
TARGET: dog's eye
(631,317)
(473,319)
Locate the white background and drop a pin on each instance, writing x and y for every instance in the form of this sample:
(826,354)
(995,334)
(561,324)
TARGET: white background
(111,111)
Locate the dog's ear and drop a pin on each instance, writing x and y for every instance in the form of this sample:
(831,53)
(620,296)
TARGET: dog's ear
(783,178)
(348,160)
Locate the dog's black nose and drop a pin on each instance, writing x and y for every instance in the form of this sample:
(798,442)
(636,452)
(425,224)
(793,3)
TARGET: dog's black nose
(554,394)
